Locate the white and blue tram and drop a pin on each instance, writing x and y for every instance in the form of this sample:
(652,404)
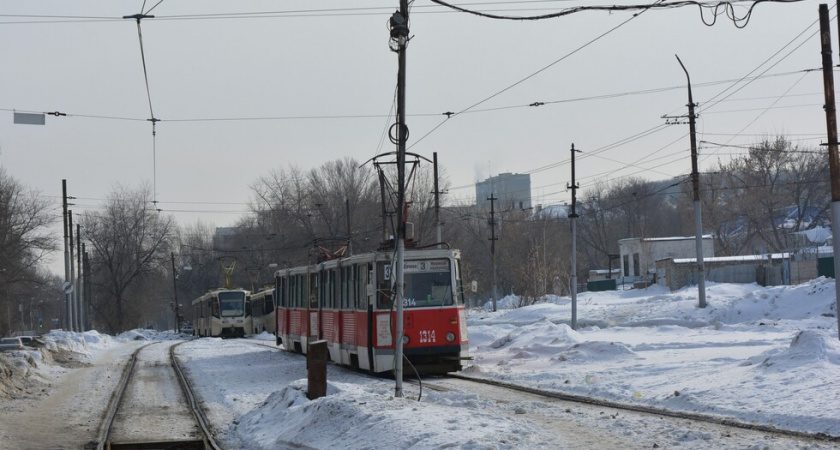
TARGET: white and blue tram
(223,313)
(262,309)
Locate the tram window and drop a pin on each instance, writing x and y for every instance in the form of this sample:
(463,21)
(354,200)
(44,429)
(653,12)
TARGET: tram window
(383,296)
(351,287)
(269,302)
(342,288)
(313,291)
(365,277)
(459,285)
(331,288)
(280,292)
(459,292)
(289,294)
(346,287)
(234,304)
(324,285)
(428,289)
(294,291)
(301,288)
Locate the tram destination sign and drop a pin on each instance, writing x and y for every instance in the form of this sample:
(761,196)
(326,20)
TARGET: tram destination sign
(428,265)
(421,266)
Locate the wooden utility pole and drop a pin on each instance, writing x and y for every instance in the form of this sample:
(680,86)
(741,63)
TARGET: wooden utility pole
(831,129)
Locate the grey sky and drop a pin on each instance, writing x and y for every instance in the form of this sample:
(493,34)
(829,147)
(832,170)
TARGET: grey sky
(306,67)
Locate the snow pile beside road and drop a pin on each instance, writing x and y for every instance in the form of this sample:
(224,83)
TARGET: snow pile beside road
(759,355)
(361,418)
(82,343)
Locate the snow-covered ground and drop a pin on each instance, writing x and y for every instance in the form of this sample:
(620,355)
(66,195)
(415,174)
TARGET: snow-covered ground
(760,355)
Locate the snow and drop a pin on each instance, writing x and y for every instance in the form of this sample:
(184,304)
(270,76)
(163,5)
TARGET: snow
(762,355)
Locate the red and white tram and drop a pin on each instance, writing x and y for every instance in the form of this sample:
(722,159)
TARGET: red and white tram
(348,303)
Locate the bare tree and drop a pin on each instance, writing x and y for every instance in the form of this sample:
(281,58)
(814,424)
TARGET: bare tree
(130,240)
(779,189)
(24,238)
(25,242)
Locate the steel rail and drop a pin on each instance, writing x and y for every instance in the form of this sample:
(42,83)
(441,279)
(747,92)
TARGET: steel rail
(116,399)
(198,411)
(724,421)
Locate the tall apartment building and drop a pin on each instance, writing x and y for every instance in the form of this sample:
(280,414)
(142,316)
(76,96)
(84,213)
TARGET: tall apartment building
(513,191)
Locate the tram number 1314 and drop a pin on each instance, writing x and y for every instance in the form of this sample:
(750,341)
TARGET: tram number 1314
(427,336)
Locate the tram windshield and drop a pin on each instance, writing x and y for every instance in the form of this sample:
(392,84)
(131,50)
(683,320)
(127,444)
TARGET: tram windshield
(232,303)
(428,283)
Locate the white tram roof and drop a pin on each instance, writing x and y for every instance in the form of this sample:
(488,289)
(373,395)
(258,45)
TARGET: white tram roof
(215,292)
(263,292)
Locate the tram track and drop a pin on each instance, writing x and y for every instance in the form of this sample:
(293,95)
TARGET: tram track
(650,410)
(583,422)
(154,406)
(429,383)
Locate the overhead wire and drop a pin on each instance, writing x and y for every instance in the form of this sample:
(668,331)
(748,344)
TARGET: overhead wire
(152,117)
(804,73)
(714,7)
(469,110)
(763,72)
(543,69)
(416,115)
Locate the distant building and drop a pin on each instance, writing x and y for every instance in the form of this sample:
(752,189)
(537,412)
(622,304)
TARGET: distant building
(225,238)
(767,270)
(639,255)
(513,191)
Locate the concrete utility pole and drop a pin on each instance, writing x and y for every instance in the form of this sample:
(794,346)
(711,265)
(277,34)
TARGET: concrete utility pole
(85,294)
(493,240)
(86,312)
(437,202)
(175,293)
(572,216)
(399,41)
(833,157)
(72,319)
(349,227)
(695,183)
(78,289)
(68,305)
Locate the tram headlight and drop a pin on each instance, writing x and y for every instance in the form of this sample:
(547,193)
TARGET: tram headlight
(450,336)
(405,340)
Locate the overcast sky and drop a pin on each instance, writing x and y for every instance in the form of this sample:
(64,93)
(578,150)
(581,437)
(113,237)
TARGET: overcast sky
(314,81)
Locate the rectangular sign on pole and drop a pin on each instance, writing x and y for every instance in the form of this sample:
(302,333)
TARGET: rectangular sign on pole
(30,119)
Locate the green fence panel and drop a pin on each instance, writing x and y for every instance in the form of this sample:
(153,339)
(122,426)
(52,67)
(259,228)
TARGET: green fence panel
(825,267)
(601,285)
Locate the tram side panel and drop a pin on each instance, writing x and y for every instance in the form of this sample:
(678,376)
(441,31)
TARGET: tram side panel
(349,305)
